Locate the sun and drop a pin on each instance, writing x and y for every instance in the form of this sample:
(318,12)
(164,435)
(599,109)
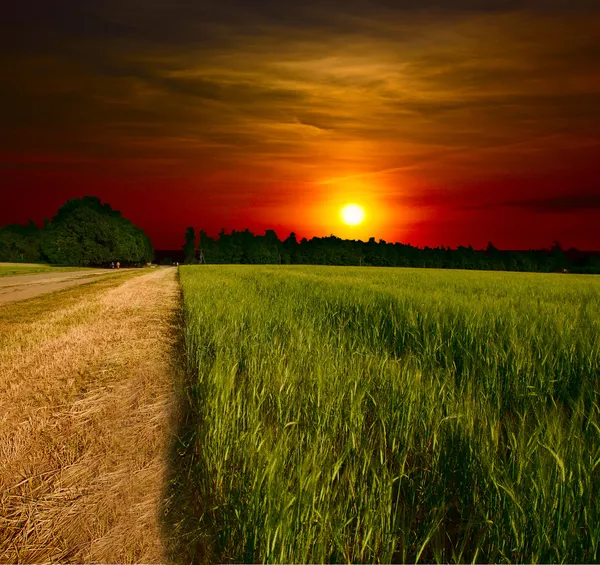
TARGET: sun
(352,214)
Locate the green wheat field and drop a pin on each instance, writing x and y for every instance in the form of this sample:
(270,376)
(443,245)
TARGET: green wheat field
(354,415)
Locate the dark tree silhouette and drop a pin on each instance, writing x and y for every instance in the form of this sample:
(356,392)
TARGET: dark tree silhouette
(245,247)
(189,247)
(20,243)
(86,232)
(559,259)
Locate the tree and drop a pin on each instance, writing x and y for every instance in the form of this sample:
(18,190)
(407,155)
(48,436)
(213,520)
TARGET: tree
(224,247)
(558,258)
(209,247)
(189,248)
(86,232)
(20,243)
(290,242)
(592,265)
(289,247)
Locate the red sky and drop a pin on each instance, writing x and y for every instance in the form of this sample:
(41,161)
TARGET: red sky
(452,123)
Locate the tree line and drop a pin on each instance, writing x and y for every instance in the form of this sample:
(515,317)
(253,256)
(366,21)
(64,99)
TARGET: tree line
(84,232)
(245,247)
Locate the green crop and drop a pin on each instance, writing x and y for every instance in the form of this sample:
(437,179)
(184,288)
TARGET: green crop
(391,415)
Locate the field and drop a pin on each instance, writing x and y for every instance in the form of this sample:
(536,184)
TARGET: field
(389,415)
(10,269)
(86,419)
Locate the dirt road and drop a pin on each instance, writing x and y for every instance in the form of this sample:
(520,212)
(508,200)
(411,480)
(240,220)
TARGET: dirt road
(20,287)
(86,413)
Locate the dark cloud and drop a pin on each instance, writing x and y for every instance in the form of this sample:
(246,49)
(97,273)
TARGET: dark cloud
(35,24)
(566,203)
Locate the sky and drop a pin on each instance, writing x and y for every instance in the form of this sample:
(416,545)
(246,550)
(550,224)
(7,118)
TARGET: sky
(450,122)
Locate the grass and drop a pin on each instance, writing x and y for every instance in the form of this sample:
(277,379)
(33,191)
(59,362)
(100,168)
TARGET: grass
(11,269)
(389,415)
(15,315)
(86,402)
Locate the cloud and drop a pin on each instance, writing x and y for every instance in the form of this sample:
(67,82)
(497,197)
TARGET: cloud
(564,204)
(371,90)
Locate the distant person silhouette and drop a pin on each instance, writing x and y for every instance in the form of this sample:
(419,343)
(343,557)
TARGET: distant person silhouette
(112,265)
(118,265)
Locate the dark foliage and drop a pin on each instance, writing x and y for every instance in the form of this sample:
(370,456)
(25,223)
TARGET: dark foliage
(245,247)
(84,233)
(189,248)
(20,243)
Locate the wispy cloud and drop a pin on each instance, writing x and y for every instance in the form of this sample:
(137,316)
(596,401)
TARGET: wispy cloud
(384,95)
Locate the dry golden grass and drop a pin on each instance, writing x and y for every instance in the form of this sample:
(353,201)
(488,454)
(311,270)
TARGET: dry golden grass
(87,406)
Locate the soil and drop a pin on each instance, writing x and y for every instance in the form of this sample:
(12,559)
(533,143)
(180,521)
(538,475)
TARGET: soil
(21,287)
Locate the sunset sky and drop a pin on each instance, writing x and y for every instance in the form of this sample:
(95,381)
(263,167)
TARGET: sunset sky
(451,123)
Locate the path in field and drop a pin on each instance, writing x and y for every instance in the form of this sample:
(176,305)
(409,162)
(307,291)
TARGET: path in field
(86,409)
(20,287)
